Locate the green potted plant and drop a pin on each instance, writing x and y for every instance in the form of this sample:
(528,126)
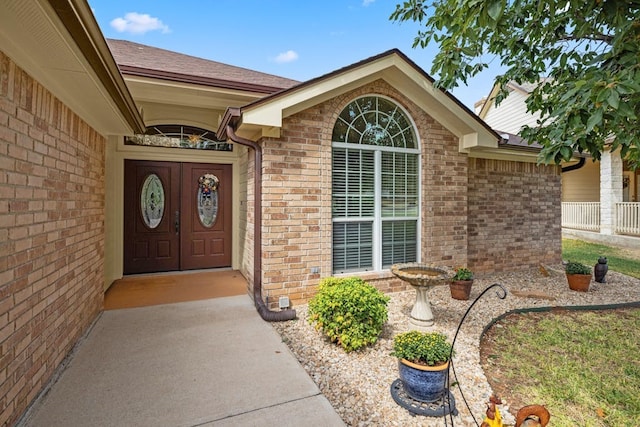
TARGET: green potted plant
(461,282)
(423,363)
(578,276)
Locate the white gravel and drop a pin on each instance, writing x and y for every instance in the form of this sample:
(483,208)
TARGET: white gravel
(358,383)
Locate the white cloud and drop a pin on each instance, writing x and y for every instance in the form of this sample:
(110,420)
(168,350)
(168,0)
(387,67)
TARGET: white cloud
(138,23)
(288,56)
(366,3)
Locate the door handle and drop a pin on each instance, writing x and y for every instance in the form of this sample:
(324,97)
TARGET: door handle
(177,222)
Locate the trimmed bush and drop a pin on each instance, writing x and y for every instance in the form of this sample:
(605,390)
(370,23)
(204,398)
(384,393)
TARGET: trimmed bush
(349,311)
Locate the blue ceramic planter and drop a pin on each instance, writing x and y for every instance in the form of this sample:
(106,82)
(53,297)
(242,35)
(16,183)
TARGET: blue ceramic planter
(423,383)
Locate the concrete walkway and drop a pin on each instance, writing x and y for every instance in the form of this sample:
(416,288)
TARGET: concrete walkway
(205,363)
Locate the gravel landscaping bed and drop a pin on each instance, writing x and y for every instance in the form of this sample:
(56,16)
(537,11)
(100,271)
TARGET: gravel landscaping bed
(358,383)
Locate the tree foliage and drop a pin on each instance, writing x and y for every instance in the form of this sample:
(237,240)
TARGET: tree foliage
(582,54)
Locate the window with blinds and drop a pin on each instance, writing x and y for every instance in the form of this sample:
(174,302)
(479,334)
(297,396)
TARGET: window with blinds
(375,194)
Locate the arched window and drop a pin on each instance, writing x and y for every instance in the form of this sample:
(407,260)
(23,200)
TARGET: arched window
(375,180)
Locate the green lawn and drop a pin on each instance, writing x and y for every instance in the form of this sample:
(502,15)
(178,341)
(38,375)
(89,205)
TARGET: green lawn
(621,260)
(583,366)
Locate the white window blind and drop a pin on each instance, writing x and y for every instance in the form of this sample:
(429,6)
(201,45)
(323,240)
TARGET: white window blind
(375,187)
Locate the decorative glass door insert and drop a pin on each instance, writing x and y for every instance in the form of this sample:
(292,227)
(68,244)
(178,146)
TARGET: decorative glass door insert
(152,201)
(208,199)
(177,216)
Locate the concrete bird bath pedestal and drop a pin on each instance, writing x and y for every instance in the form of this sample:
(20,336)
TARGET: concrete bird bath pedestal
(422,277)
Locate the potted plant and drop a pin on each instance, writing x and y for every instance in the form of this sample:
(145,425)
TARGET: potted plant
(461,282)
(578,276)
(423,363)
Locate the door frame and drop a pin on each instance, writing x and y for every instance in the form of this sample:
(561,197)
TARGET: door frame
(117,152)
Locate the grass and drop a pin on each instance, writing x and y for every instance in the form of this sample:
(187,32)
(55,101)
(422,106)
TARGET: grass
(582,365)
(620,260)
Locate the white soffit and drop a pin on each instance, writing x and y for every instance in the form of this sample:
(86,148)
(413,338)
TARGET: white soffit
(146,89)
(32,35)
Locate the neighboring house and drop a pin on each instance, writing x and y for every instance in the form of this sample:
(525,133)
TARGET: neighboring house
(119,158)
(600,199)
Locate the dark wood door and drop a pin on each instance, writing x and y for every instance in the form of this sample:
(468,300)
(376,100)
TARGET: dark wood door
(151,241)
(165,229)
(205,241)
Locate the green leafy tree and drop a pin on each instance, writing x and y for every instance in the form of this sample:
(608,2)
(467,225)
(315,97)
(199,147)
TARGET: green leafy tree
(582,54)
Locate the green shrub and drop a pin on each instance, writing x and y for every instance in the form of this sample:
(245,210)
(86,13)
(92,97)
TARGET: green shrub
(349,311)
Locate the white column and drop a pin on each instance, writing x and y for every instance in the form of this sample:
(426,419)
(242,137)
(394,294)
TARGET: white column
(610,189)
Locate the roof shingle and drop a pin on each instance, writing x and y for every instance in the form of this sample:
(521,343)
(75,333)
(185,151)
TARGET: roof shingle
(132,57)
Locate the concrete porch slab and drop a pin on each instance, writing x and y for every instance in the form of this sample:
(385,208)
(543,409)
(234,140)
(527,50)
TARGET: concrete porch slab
(210,362)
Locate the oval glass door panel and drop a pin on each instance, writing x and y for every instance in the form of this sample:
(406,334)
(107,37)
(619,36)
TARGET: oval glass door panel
(207,199)
(207,207)
(152,201)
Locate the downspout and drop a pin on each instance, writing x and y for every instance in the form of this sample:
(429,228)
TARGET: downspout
(263,310)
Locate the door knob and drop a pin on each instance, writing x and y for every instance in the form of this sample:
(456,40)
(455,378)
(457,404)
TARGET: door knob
(177,222)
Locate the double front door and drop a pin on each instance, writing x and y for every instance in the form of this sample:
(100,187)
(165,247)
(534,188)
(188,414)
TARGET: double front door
(177,216)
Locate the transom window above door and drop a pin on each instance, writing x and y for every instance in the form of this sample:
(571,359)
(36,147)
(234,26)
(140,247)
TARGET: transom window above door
(179,136)
(375,186)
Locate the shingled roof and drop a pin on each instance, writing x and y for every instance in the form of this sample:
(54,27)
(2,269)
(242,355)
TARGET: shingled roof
(147,61)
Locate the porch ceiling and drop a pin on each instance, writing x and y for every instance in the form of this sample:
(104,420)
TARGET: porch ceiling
(60,45)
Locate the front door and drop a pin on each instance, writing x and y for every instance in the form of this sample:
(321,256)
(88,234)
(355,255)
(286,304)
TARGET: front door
(177,216)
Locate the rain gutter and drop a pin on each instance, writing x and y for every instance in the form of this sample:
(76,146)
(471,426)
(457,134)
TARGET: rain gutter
(263,310)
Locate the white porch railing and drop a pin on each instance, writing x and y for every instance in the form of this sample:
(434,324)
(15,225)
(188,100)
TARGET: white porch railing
(586,216)
(581,216)
(628,218)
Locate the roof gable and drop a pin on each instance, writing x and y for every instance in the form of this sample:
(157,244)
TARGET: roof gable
(264,117)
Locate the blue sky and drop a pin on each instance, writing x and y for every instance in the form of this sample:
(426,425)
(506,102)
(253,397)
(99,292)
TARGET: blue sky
(295,39)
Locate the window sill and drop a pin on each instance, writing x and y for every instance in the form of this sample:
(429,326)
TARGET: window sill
(369,275)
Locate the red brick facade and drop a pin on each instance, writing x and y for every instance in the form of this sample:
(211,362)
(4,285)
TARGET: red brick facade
(491,215)
(51,235)
(474,212)
(514,215)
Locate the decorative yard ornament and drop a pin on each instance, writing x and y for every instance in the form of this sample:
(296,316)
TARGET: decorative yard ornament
(527,416)
(532,416)
(600,269)
(493,417)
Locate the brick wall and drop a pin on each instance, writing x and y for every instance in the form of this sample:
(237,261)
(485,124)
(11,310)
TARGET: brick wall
(514,215)
(51,235)
(297,198)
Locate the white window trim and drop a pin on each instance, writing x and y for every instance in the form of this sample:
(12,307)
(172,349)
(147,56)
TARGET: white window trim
(377,219)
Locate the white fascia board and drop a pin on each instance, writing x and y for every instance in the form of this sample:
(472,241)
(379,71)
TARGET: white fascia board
(398,73)
(442,108)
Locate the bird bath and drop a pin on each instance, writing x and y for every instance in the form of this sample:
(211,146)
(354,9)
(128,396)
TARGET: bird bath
(422,277)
